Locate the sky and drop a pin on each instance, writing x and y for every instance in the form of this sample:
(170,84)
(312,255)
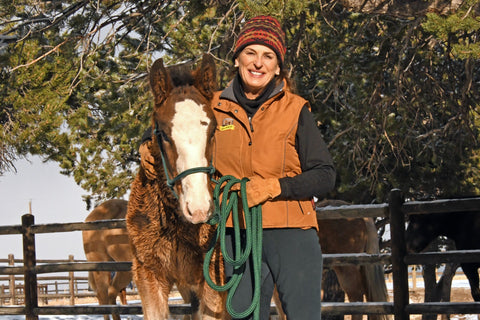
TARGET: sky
(54,198)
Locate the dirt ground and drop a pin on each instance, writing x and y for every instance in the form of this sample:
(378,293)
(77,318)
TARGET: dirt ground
(416,296)
(457,295)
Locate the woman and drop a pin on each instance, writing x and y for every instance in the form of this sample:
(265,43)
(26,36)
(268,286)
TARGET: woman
(267,133)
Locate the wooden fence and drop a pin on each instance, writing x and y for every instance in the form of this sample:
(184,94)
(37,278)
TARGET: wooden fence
(74,289)
(68,287)
(395,210)
(63,288)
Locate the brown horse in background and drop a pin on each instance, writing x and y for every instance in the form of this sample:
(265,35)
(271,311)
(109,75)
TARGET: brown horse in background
(108,245)
(166,215)
(352,235)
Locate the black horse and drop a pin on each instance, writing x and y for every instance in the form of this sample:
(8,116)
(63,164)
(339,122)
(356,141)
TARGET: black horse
(462,227)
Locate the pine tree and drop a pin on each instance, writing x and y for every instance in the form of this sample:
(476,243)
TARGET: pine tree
(395,96)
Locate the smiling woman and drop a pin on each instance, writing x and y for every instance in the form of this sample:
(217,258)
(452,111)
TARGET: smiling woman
(51,197)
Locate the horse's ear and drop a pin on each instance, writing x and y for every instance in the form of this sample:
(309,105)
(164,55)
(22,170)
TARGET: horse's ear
(206,76)
(160,82)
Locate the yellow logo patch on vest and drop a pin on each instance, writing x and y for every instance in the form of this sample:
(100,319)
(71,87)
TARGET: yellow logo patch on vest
(227,124)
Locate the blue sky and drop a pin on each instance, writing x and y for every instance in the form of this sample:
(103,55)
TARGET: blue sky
(54,198)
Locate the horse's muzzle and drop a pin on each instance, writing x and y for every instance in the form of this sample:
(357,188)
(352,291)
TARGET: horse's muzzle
(198,216)
(197,212)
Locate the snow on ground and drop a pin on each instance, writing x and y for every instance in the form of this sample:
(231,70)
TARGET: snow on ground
(462,283)
(456,283)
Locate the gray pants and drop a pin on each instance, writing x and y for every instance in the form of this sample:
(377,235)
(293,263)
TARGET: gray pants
(291,260)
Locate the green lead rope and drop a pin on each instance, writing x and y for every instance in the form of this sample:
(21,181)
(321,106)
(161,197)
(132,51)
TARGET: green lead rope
(252,246)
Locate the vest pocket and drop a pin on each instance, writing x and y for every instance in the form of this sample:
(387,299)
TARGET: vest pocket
(306,207)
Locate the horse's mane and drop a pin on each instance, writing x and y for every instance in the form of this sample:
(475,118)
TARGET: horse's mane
(181,74)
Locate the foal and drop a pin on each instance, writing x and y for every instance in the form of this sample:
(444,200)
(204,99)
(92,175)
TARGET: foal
(166,216)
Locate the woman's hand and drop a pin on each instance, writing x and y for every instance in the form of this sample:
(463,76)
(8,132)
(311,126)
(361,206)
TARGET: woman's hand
(260,190)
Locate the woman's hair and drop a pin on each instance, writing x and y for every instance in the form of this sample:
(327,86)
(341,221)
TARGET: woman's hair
(289,83)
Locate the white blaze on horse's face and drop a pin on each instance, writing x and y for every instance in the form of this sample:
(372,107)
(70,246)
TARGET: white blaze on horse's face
(190,132)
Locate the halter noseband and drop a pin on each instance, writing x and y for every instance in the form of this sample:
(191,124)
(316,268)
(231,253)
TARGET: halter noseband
(171,182)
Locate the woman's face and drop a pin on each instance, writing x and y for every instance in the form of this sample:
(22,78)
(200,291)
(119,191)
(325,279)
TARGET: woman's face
(257,66)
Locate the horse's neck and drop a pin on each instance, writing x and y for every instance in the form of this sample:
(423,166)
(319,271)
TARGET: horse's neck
(451,225)
(458,227)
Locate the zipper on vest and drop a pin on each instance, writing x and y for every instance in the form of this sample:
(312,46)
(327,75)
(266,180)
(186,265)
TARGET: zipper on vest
(250,122)
(251,130)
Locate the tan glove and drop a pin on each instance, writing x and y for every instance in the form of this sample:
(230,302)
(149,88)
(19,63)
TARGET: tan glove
(147,161)
(260,190)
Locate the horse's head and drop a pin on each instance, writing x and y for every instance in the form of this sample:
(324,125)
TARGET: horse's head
(422,229)
(184,124)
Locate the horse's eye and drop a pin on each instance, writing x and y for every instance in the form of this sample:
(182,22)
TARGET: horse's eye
(164,136)
(161,135)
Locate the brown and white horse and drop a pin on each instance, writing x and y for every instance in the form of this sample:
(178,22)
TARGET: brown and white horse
(108,245)
(166,216)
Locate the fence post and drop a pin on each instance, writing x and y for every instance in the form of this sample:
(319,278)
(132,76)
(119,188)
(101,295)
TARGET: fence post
(29,263)
(71,276)
(11,284)
(399,268)
(414,277)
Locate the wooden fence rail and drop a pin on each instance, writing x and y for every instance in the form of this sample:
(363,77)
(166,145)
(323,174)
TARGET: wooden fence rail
(396,210)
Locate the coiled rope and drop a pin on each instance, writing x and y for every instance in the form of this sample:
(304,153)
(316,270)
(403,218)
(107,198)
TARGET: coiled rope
(252,246)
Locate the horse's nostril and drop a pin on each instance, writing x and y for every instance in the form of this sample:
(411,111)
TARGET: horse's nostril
(199,216)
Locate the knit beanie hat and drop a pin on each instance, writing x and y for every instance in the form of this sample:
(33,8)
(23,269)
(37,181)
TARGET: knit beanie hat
(263,30)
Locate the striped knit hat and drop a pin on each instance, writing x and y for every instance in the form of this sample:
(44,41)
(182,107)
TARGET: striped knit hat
(264,30)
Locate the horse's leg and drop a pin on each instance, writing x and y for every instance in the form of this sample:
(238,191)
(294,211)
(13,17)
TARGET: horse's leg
(123,296)
(153,292)
(444,285)
(471,271)
(278,305)
(212,303)
(120,282)
(100,281)
(199,311)
(189,297)
(119,249)
(351,280)
(431,291)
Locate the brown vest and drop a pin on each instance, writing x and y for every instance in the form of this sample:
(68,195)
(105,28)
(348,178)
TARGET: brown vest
(265,147)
